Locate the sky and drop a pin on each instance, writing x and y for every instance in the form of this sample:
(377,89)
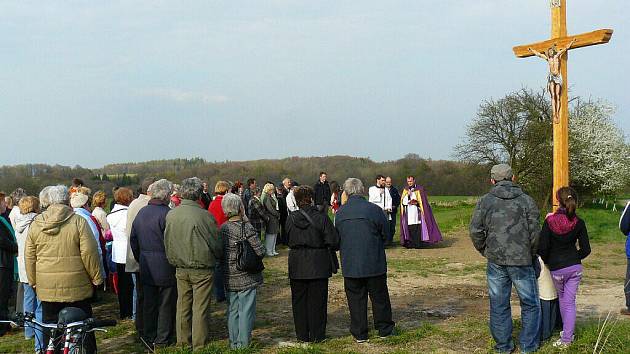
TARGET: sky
(95,82)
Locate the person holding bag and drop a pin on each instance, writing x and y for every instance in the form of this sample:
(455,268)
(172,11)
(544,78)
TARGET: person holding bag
(241,280)
(313,241)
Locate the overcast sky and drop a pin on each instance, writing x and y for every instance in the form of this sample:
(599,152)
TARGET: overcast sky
(92,83)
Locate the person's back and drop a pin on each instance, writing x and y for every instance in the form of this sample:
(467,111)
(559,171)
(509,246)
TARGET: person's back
(191,237)
(61,256)
(363,229)
(559,249)
(147,240)
(505,226)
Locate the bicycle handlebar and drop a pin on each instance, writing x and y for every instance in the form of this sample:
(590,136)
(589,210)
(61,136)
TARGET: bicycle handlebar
(20,319)
(94,323)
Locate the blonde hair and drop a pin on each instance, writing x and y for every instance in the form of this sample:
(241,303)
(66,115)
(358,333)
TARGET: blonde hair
(83,190)
(221,187)
(268,187)
(9,200)
(28,204)
(99,199)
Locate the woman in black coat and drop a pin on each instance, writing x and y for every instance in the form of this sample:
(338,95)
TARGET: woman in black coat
(313,241)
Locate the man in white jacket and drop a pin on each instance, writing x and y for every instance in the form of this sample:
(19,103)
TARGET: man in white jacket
(380,196)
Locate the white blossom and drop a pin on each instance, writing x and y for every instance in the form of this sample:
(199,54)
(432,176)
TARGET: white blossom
(598,153)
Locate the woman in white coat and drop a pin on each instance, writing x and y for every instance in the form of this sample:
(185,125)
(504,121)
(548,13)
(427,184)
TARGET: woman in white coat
(117,220)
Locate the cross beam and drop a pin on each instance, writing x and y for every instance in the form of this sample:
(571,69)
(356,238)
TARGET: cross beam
(581,40)
(560,38)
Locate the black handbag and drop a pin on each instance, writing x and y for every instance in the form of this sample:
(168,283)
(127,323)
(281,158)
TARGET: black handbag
(246,258)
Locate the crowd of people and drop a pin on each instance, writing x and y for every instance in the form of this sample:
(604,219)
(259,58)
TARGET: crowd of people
(167,249)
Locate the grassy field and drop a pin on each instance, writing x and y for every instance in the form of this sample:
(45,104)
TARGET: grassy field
(438,295)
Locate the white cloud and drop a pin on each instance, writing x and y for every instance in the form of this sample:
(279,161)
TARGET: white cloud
(184,96)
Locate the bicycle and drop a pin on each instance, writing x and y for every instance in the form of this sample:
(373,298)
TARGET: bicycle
(73,325)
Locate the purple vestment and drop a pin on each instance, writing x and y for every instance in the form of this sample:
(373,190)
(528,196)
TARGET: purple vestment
(429,228)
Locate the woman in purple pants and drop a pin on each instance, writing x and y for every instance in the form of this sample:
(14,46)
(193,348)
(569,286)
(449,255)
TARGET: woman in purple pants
(560,233)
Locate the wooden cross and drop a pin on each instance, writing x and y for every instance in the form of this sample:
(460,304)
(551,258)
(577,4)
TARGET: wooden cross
(560,39)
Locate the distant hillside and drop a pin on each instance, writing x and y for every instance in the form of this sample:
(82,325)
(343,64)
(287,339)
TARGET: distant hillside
(439,177)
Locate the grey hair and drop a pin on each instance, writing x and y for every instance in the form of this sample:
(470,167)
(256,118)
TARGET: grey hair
(191,188)
(58,195)
(353,186)
(231,205)
(44,201)
(18,194)
(161,189)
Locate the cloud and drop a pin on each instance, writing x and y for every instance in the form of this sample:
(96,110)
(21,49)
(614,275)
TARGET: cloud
(183,96)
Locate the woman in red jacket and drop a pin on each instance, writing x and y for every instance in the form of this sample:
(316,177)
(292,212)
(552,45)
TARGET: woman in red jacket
(216,210)
(215,206)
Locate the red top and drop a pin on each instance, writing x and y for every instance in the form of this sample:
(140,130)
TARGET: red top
(335,202)
(216,210)
(176,200)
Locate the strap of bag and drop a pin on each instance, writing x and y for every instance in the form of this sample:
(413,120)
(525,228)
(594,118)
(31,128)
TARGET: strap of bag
(310,221)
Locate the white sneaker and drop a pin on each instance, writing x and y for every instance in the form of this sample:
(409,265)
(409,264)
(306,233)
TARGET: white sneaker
(560,344)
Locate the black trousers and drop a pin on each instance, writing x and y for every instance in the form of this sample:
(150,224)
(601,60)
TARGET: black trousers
(310,308)
(6,289)
(357,291)
(160,305)
(415,237)
(125,292)
(50,313)
(392,229)
(139,321)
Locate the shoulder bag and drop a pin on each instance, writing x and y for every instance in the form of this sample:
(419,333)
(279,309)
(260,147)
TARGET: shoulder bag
(246,258)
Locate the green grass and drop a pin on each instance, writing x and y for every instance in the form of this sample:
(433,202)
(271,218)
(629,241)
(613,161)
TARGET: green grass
(614,338)
(602,224)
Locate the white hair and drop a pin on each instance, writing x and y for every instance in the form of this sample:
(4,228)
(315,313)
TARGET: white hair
(58,195)
(231,204)
(353,186)
(160,189)
(44,201)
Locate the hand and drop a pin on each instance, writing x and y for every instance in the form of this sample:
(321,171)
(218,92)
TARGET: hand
(413,202)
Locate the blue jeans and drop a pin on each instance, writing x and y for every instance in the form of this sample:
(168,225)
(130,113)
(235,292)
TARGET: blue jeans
(33,305)
(500,280)
(241,316)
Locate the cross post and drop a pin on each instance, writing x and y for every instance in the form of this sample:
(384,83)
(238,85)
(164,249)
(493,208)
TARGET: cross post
(561,40)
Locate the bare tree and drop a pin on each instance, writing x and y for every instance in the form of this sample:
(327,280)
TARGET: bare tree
(513,130)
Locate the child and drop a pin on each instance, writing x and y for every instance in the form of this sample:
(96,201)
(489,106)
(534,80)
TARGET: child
(550,310)
(558,237)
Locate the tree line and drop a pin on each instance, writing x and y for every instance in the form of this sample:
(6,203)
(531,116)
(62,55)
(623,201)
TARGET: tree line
(440,177)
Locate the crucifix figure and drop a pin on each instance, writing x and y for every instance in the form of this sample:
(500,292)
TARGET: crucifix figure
(554,79)
(558,83)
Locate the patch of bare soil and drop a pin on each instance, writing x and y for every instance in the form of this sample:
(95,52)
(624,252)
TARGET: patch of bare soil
(443,285)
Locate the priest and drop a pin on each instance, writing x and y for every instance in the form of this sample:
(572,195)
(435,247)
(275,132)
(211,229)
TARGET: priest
(417,224)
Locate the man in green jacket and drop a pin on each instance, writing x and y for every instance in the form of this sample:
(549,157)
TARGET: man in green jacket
(193,246)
